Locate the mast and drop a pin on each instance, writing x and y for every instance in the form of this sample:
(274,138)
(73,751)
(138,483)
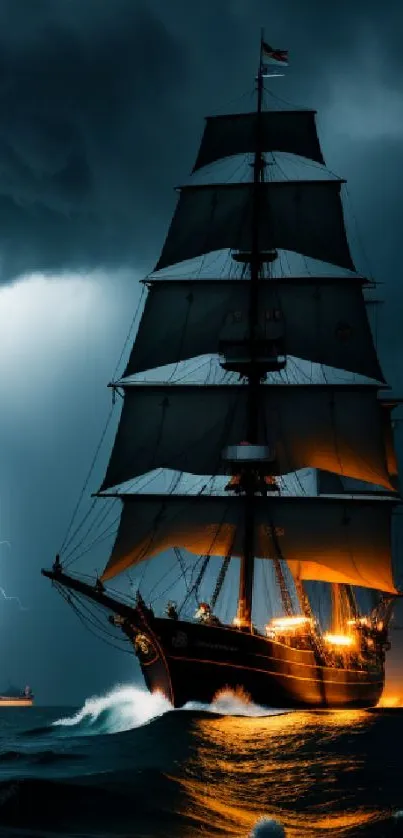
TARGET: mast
(244,613)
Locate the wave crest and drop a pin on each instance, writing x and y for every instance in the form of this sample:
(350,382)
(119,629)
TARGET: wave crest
(128,707)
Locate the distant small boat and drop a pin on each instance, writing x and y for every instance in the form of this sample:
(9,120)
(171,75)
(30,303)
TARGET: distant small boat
(14,698)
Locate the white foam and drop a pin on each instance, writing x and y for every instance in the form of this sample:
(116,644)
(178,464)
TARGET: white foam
(127,707)
(229,703)
(121,709)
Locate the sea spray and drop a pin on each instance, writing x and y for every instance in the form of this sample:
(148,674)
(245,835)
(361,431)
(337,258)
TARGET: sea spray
(128,707)
(124,708)
(237,703)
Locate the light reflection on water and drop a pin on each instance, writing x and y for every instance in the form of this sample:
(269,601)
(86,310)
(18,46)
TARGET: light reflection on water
(303,769)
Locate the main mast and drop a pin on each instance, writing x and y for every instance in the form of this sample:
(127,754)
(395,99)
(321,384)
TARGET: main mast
(244,615)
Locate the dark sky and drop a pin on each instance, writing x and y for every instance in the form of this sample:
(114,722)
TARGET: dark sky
(102,106)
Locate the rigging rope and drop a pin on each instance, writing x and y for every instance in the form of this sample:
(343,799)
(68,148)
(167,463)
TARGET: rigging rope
(220,580)
(195,587)
(66,542)
(131,327)
(86,621)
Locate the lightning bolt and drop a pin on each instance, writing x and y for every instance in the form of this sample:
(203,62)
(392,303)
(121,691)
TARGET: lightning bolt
(3,593)
(15,598)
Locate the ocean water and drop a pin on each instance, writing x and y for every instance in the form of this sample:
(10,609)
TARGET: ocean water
(127,764)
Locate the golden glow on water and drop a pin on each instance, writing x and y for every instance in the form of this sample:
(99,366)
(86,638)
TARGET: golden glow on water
(285,766)
(391,698)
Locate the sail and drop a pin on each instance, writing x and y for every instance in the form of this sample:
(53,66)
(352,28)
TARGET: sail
(336,484)
(326,539)
(290,131)
(325,321)
(186,427)
(302,216)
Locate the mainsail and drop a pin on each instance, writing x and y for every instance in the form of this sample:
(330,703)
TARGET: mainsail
(189,427)
(257,429)
(324,539)
(325,319)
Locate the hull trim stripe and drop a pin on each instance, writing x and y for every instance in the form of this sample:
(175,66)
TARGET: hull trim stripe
(276,674)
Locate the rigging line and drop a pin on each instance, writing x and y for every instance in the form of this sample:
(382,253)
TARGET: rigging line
(241,165)
(66,542)
(248,94)
(95,620)
(85,621)
(131,327)
(107,533)
(267,589)
(194,589)
(89,615)
(190,300)
(98,520)
(191,371)
(176,479)
(300,370)
(221,579)
(69,560)
(310,164)
(160,580)
(206,560)
(182,566)
(229,597)
(136,486)
(143,574)
(72,599)
(167,589)
(272,95)
(358,234)
(279,166)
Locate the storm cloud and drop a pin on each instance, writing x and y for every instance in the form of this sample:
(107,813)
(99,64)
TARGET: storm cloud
(101,107)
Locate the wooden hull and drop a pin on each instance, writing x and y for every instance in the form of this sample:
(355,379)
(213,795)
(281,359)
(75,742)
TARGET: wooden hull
(193,662)
(9,701)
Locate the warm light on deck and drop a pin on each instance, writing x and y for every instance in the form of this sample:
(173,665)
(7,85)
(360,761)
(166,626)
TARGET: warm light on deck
(359,621)
(339,639)
(288,624)
(238,622)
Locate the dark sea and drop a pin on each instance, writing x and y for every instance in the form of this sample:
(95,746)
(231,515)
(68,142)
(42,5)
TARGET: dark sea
(126,764)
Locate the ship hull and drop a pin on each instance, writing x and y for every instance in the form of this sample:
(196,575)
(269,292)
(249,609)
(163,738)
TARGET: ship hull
(193,662)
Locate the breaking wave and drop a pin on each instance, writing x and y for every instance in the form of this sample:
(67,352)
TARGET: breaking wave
(126,708)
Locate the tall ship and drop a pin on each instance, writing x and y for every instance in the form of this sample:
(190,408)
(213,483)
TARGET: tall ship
(274,478)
